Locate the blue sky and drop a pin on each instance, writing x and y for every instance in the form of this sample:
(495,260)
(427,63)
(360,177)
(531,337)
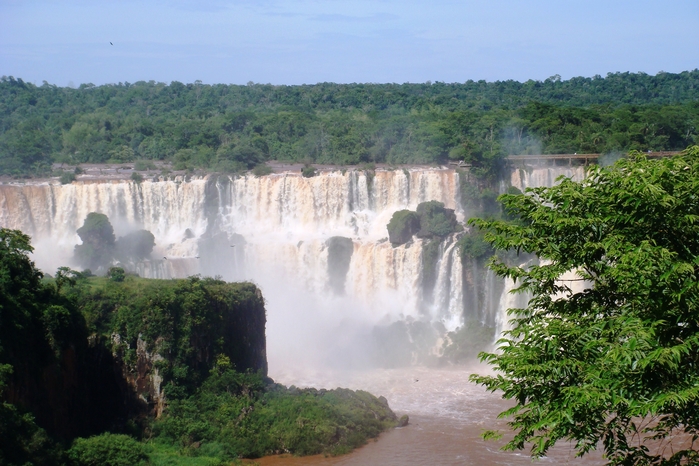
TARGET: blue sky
(294,42)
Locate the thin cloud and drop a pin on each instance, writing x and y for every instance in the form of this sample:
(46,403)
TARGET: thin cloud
(336,17)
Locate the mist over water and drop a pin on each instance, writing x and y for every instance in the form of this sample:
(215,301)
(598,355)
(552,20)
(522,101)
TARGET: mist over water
(347,312)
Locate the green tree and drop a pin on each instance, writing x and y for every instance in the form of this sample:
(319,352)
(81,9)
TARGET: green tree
(615,365)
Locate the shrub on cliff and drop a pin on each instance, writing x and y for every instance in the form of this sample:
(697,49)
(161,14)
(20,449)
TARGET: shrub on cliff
(67,178)
(262,169)
(402,226)
(309,171)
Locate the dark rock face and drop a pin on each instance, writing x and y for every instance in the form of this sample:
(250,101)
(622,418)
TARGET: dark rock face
(227,321)
(340,250)
(403,225)
(99,382)
(76,394)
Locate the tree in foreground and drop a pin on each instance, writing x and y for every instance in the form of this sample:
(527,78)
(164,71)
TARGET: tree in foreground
(615,366)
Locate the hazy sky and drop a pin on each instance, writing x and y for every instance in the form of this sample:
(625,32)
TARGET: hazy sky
(309,41)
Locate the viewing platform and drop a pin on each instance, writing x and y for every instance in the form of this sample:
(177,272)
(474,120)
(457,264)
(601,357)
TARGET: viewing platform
(571,159)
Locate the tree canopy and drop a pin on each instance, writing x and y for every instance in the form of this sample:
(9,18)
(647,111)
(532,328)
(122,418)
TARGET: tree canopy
(614,365)
(230,127)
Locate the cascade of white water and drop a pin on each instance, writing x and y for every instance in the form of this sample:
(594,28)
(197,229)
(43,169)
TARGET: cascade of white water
(275,230)
(447,306)
(284,221)
(533,177)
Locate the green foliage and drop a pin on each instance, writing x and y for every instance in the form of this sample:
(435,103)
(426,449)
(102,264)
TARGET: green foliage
(309,171)
(472,245)
(116,274)
(143,165)
(36,325)
(435,220)
(22,442)
(202,329)
(233,128)
(402,226)
(262,170)
(136,177)
(186,322)
(233,415)
(108,450)
(67,178)
(613,365)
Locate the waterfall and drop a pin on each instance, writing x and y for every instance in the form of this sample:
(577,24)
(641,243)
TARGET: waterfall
(278,230)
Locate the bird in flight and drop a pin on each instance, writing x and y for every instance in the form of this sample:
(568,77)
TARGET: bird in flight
(111,43)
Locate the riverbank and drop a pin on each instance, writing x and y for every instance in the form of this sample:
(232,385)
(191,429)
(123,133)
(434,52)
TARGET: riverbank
(447,416)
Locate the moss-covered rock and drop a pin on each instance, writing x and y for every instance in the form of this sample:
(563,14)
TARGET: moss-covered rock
(436,220)
(402,226)
(431,219)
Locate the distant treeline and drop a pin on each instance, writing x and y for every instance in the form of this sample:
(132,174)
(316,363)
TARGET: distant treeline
(235,127)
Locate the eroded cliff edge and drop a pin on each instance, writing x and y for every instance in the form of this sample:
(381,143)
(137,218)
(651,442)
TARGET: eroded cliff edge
(124,347)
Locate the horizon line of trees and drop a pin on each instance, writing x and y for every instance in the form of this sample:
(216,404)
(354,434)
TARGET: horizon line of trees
(232,128)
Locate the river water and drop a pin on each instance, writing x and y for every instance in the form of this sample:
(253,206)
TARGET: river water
(447,415)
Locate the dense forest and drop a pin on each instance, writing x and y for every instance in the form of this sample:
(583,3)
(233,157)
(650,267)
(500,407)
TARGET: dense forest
(231,128)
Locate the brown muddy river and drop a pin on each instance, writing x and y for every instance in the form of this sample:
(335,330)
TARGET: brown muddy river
(447,415)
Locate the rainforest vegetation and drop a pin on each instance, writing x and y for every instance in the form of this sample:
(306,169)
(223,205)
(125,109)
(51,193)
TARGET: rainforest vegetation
(232,128)
(120,370)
